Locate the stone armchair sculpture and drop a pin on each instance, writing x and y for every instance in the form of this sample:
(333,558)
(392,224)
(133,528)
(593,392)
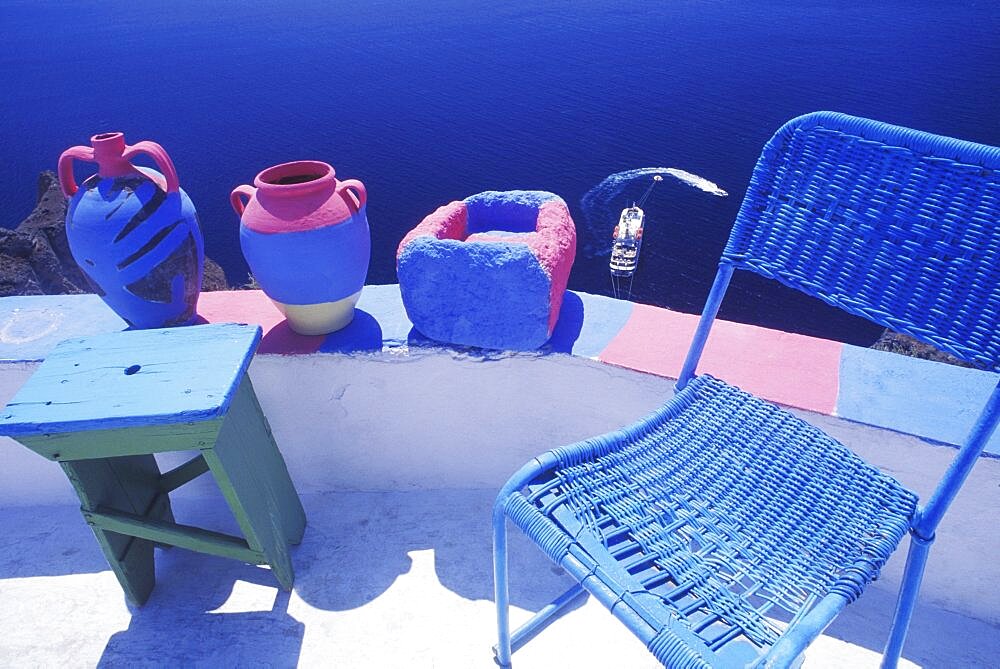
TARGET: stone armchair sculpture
(490,270)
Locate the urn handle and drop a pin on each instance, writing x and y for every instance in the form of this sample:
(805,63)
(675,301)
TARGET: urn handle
(354,193)
(160,157)
(236,198)
(67,182)
(115,161)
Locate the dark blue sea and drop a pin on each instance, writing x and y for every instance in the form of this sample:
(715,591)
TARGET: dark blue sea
(432,101)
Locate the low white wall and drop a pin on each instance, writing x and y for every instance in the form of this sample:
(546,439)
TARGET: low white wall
(27,478)
(396,421)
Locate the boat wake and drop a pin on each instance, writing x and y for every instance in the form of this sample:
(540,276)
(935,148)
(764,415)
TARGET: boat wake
(701,183)
(600,210)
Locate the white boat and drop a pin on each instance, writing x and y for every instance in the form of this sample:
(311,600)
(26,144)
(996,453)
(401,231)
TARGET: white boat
(627,242)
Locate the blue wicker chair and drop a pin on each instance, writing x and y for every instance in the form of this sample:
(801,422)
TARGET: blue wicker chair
(722,530)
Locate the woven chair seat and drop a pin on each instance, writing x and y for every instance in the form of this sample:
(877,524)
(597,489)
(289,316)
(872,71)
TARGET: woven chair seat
(718,519)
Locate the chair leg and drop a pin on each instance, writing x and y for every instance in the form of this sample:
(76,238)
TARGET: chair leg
(545,615)
(502,650)
(916,560)
(508,642)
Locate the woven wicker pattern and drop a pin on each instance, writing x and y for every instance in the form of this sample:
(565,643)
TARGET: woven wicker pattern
(895,225)
(728,508)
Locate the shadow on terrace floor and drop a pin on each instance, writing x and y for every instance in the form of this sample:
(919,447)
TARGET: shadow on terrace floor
(224,613)
(382,556)
(189,621)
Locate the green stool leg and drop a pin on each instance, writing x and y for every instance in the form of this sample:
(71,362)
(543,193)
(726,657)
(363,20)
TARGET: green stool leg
(293,517)
(129,484)
(252,475)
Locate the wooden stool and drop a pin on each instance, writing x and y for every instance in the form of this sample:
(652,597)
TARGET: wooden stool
(102,405)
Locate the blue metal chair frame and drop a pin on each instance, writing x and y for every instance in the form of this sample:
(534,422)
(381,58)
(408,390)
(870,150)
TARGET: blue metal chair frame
(700,524)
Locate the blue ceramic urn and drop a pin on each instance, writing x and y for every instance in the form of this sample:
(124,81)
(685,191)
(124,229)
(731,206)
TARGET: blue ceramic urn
(134,232)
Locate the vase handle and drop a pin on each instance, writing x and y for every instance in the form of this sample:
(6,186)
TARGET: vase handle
(159,156)
(67,182)
(354,193)
(236,197)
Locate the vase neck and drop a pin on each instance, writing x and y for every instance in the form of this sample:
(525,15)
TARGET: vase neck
(108,149)
(297,178)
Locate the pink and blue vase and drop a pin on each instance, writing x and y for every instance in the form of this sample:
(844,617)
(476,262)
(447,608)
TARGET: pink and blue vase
(305,237)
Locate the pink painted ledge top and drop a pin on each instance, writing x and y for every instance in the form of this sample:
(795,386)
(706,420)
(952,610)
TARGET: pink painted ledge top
(795,370)
(790,369)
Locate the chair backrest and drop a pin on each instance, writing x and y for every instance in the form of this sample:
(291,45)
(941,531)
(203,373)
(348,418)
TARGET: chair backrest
(895,225)
(898,226)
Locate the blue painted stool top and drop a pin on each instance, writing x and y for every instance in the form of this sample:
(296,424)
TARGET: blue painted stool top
(133,378)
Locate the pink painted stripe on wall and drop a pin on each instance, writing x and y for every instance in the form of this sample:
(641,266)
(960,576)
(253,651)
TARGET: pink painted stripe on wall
(790,369)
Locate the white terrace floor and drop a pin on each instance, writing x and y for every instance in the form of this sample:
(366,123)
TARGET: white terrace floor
(395,566)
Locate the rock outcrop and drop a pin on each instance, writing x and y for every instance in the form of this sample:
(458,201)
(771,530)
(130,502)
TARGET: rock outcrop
(35,258)
(907,345)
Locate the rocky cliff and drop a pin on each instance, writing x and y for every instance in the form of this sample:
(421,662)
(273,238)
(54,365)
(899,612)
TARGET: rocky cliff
(907,345)
(35,258)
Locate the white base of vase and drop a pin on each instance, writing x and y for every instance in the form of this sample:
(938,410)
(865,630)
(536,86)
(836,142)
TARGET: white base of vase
(322,318)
